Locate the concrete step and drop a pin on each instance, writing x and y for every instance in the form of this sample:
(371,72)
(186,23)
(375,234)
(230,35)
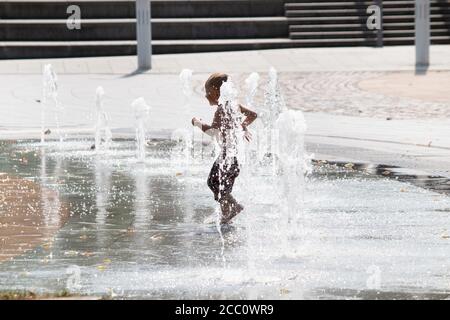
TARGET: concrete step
(362,34)
(326,27)
(318,5)
(112,9)
(353,12)
(108,26)
(343,23)
(314,5)
(410,33)
(410,40)
(334,35)
(54,49)
(410,25)
(361,20)
(354,42)
(362,42)
(359,12)
(19,50)
(295,2)
(57,9)
(356,27)
(164,29)
(37,28)
(217,8)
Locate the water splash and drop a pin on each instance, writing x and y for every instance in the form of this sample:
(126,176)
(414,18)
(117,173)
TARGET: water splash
(230,134)
(290,159)
(50,93)
(102,180)
(103,135)
(280,152)
(273,96)
(186,135)
(267,134)
(228,138)
(142,210)
(222,239)
(141,112)
(248,171)
(283,195)
(182,153)
(186,81)
(251,85)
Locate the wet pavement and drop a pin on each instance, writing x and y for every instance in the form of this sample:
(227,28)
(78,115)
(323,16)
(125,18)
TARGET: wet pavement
(147,230)
(31,215)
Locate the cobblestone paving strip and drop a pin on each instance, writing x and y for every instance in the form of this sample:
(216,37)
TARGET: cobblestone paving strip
(369,94)
(434,86)
(340,93)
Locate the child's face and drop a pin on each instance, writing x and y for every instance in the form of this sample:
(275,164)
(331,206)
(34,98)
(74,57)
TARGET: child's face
(212,94)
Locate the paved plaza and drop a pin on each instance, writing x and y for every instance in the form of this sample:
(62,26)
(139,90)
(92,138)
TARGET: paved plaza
(114,185)
(361,105)
(364,98)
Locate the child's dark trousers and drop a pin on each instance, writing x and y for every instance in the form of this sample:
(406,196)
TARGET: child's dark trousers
(221,180)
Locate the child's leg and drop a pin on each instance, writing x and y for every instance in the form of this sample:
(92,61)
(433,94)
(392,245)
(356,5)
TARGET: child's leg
(214,181)
(230,207)
(221,182)
(217,182)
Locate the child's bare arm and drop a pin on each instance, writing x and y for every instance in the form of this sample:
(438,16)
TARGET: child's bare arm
(202,126)
(206,128)
(250,116)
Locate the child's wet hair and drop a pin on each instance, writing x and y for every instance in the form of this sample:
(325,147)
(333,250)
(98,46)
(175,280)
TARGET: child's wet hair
(216,80)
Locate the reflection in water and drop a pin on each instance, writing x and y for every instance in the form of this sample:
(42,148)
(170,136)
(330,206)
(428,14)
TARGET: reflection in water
(102,180)
(51,205)
(142,211)
(56,205)
(30,214)
(43,177)
(103,184)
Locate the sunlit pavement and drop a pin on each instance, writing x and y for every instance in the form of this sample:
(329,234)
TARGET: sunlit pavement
(363,98)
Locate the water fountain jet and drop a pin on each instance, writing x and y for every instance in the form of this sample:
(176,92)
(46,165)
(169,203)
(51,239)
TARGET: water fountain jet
(186,134)
(251,84)
(274,104)
(103,135)
(291,169)
(141,113)
(50,92)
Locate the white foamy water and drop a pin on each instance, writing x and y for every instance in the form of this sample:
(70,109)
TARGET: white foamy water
(251,86)
(50,99)
(103,135)
(141,113)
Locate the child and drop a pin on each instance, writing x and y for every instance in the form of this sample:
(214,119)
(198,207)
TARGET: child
(226,168)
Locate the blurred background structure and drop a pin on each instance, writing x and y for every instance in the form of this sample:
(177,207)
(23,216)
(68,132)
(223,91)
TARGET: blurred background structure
(39,28)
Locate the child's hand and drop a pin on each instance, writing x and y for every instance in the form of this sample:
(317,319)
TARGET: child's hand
(196,122)
(247,134)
